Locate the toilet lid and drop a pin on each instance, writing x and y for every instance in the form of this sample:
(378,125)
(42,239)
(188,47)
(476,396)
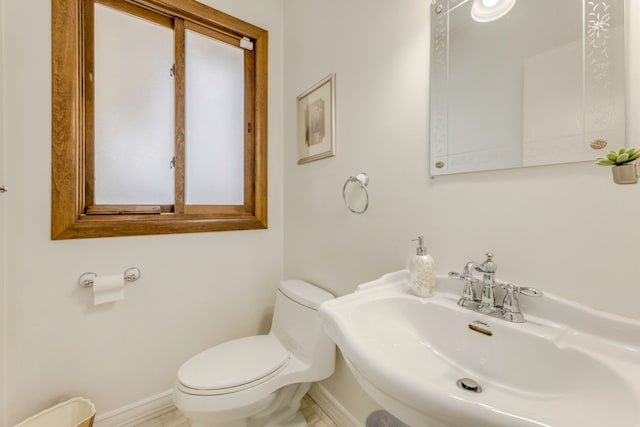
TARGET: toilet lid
(234,363)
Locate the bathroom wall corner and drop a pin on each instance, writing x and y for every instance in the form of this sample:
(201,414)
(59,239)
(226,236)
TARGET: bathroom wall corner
(332,407)
(3,243)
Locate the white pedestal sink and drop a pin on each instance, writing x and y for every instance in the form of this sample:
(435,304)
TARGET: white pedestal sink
(567,366)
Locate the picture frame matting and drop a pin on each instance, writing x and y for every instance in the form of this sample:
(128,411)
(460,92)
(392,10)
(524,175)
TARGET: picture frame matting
(316,121)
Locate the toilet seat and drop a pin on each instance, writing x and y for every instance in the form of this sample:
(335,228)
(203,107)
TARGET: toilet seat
(233,366)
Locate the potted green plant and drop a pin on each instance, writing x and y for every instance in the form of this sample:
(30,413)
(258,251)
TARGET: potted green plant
(622,164)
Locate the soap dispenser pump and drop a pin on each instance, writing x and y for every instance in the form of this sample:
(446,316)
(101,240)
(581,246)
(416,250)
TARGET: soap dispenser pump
(422,271)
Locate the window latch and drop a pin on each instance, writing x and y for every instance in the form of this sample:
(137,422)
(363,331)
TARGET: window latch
(172,70)
(245,43)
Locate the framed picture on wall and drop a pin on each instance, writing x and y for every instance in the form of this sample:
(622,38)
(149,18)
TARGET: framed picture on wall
(316,121)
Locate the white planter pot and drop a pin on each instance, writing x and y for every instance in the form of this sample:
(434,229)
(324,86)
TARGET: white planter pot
(625,174)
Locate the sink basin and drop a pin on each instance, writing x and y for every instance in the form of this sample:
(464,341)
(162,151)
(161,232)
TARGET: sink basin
(567,365)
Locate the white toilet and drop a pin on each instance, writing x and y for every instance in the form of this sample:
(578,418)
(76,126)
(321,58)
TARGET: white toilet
(259,381)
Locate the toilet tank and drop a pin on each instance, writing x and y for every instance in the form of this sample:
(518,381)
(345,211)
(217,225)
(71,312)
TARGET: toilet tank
(298,327)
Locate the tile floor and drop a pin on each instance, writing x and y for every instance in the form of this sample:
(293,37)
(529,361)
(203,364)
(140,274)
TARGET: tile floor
(315,416)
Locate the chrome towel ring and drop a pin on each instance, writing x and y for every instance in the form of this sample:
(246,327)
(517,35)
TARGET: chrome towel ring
(363,180)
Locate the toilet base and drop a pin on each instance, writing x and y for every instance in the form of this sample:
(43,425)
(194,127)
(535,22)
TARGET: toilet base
(278,409)
(297,421)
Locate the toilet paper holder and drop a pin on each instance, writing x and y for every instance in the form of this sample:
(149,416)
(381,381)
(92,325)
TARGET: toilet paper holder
(130,275)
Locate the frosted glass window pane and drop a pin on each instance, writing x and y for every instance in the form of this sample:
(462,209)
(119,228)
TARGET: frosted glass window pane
(133,109)
(214,122)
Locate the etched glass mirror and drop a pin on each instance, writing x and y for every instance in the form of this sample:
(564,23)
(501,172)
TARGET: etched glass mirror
(541,82)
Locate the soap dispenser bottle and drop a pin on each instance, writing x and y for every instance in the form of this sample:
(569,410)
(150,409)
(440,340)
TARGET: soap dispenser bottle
(422,267)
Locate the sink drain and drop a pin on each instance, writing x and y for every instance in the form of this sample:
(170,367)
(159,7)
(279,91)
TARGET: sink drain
(469,385)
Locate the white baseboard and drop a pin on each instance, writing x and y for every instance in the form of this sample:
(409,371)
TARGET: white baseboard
(137,412)
(162,403)
(332,407)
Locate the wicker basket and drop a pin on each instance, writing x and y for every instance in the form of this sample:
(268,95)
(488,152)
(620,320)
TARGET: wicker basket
(76,412)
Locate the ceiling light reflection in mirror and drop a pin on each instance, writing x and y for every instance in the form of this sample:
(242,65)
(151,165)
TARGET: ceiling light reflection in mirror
(490,10)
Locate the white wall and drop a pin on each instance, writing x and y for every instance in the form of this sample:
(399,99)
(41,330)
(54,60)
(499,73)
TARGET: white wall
(566,229)
(196,289)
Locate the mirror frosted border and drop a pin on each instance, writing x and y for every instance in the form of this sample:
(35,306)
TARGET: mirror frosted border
(537,86)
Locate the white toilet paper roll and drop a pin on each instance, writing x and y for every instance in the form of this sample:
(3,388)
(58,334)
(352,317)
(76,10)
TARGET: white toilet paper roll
(108,288)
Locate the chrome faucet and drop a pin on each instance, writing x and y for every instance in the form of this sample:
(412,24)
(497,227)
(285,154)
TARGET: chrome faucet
(469,295)
(509,309)
(488,295)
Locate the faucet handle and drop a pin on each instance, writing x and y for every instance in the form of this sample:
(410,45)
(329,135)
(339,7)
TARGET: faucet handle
(524,290)
(488,266)
(469,296)
(510,306)
(463,276)
(529,291)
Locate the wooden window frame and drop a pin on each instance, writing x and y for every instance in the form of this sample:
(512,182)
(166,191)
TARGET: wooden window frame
(73,213)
